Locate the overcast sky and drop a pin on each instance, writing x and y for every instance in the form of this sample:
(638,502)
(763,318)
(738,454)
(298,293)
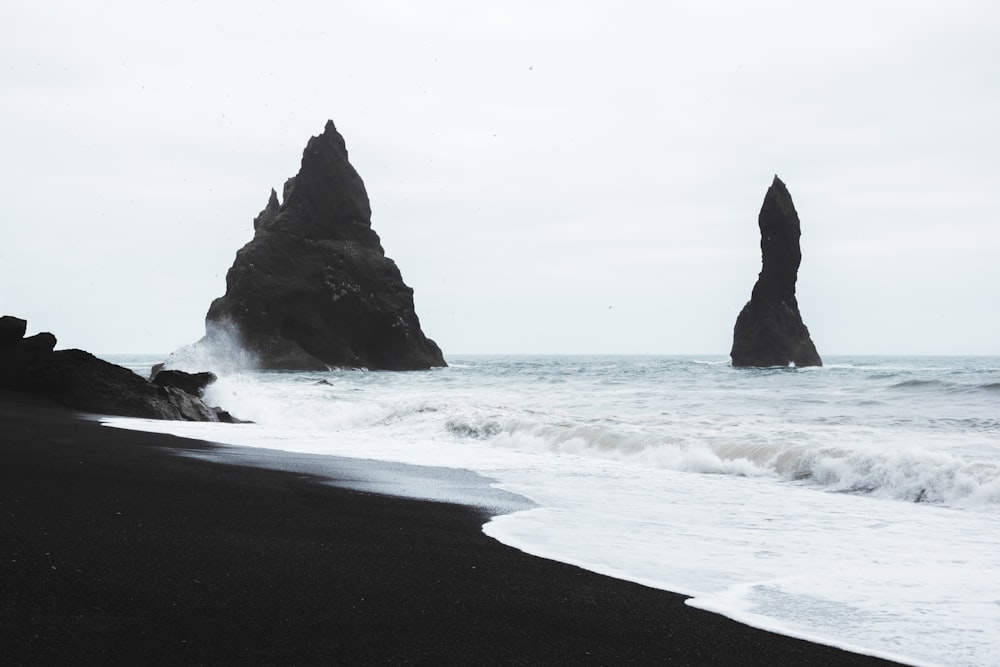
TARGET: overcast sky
(550,177)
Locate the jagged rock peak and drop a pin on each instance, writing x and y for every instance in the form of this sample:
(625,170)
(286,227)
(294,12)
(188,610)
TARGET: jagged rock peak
(769,330)
(270,212)
(313,289)
(329,190)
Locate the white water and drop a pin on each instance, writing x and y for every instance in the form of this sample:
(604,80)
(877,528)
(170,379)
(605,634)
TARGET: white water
(780,498)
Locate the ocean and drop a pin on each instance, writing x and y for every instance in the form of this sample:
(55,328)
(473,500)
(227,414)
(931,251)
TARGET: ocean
(856,505)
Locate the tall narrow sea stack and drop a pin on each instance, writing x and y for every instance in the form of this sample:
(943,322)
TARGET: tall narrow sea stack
(313,289)
(769,330)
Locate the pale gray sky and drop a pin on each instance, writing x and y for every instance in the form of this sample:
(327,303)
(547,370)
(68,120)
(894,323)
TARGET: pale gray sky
(579,177)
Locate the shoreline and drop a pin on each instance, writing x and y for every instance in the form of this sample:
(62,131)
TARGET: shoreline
(119,550)
(411,481)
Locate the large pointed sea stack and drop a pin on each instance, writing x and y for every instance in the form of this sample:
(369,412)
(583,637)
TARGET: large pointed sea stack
(313,289)
(769,330)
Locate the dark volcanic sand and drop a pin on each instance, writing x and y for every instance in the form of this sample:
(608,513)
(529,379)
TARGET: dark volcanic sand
(115,551)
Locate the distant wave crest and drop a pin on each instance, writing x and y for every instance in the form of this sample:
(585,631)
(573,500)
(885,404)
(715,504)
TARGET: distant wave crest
(919,384)
(945,386)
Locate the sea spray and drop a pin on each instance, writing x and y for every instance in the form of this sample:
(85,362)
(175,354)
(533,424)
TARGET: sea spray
(222,351)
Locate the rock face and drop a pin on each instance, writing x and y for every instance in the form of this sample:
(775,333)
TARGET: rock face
(190,383)
(79,380)
(313,289)
(769,330)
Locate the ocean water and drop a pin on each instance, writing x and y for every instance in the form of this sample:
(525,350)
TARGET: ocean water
(856,505)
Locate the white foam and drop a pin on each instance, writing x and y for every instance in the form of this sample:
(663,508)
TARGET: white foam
(846,570)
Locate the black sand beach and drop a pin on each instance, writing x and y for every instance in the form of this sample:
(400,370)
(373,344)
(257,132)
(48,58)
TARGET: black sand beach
(116,551)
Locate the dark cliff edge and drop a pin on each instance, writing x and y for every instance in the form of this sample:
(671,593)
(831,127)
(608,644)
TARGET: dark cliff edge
(79,380)
(769,330)
(313,289)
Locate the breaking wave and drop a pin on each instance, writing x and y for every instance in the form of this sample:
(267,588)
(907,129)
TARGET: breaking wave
(946,387)
(901,473)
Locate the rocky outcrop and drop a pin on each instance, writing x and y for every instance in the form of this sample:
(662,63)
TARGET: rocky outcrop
(79,380)
(191,383)
(12,330)
(313,289)
(769,330)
